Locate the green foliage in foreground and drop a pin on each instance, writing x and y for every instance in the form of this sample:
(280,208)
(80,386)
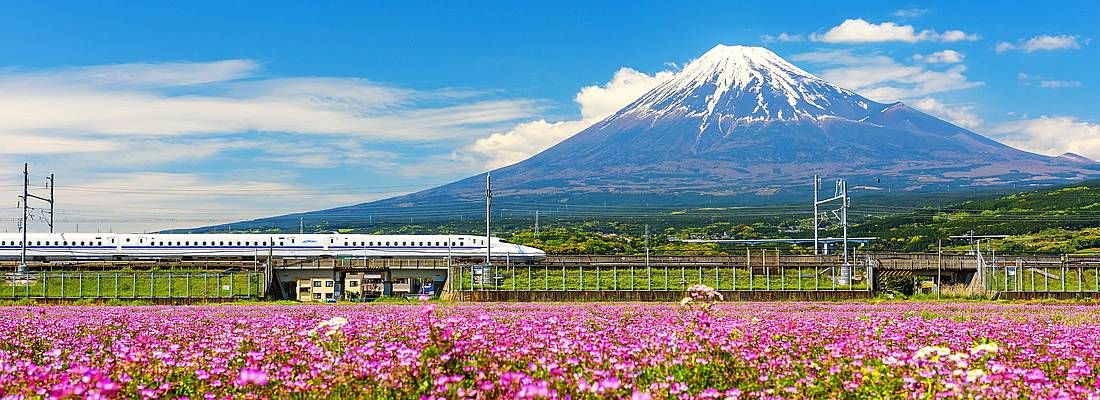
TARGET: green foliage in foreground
(660,278)
(133,285)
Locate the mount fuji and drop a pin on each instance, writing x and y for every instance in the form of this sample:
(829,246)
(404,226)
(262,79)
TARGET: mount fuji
(741,125)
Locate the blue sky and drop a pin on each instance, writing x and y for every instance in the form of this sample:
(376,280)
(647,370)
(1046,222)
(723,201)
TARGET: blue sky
(193,112)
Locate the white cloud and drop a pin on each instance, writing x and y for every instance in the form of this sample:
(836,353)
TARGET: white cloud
(940,57)
(1042,42)
(956,36)
(151,201)
(882,78)
(134,126)
(25,144)
(147,100)
(861,31)
(961,115)
(134,75)
(1036,80)
(1056,84)
(782,37)
(1052,135)
(596,102)
(912,12)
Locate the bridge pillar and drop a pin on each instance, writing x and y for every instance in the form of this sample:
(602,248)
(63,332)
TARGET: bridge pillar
(387,283)
(338,285)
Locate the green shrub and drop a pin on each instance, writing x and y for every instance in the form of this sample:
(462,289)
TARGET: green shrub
(901,285)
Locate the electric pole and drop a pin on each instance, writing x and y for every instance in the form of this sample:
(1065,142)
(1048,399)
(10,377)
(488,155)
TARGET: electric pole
(23,244)
(843,188)
(26,211)
(817,184)
(51,202)
(841,194)
(488,217)
(536,223)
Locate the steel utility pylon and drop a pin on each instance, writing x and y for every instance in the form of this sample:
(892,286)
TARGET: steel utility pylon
(840,193)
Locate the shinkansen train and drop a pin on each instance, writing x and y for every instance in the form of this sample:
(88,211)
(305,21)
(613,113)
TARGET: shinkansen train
(53,246)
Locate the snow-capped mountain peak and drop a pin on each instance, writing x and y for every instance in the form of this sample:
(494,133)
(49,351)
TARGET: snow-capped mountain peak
(739,84)
(739,126)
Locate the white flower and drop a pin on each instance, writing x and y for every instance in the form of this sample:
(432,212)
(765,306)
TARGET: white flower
(926,352)
(985,348)
(974,374)
(331,327)
(704,293)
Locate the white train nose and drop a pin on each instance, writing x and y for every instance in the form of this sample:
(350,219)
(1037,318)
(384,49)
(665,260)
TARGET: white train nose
(532,252)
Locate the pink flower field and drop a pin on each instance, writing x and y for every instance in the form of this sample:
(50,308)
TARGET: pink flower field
(747,350)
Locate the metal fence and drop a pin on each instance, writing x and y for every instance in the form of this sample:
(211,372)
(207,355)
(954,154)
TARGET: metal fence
(127,285)
(658,277)
(1022,276)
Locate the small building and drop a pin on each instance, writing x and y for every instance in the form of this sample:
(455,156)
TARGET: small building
(316,289)
(356,286)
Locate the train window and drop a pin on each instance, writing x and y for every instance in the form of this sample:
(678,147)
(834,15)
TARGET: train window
(100,243)
(387,243)
(460,244)
(345,243)
(404,243)
(238,243)
(186,243)
(127,240)
(264,243)
(37,243)
(280,243)
(81,243)
(372,243)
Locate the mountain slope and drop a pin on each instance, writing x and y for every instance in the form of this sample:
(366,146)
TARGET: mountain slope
(742,125)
